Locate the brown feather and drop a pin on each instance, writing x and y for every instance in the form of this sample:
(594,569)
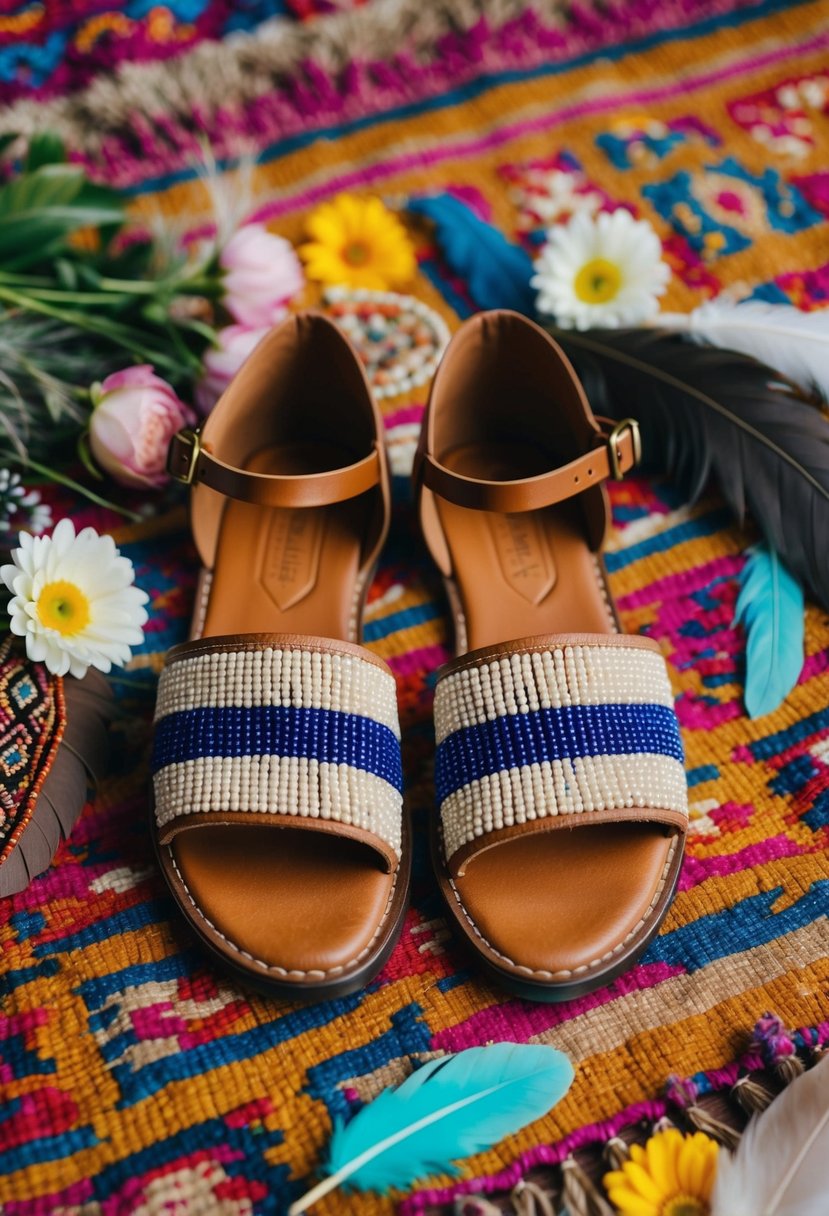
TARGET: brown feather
(79,761)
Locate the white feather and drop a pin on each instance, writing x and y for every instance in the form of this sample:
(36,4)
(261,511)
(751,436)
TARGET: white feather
(793,342)
(781,1167)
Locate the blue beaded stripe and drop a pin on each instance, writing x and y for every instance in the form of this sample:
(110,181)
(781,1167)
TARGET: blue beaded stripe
(515,740)
(326,735)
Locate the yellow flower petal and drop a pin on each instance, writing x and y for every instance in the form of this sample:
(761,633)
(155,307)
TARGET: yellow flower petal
(692,1164)
(641,1181)
(627,1203)
(313,249)
(352,212)
(670,1173)
(710,1171)
(661,1151)
(358,242)
(377,213)
(403,264)
(322,263)
(368,278)
(325,225)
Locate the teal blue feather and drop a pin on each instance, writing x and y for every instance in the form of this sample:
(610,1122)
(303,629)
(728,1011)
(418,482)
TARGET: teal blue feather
(496,272)
(770,609)
(472,1100)
(449,1108)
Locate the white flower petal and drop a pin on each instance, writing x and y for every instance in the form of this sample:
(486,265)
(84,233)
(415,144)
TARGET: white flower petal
(101,574)
(8,574)
(630,245)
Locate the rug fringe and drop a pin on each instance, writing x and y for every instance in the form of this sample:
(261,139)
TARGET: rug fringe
(567,1176)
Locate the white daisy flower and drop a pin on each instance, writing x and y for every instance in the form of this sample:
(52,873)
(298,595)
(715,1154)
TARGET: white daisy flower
(73,600)
(603,270)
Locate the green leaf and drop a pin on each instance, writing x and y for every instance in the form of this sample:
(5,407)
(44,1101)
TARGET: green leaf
(88,274)
(62,480)
(7,140)
(93,194)
(85,457)
(67,273)
(44,187)
(39,210)
(45,148)
(200,328)
(54,400)
(128,336)
(156,313)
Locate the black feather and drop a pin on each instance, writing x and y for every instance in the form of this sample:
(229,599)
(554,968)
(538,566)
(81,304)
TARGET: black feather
(705,411)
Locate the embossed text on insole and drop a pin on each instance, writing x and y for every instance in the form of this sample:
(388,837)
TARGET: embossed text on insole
(289,555)
(523,554)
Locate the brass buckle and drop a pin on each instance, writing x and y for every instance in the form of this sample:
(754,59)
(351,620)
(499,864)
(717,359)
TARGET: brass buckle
(613,445)
(182,455)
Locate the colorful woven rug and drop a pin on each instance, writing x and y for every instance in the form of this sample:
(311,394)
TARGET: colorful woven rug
(135,1079)
(51,47)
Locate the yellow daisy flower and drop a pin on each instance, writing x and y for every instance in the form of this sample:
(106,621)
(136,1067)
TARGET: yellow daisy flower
(673,1175)
(357,242)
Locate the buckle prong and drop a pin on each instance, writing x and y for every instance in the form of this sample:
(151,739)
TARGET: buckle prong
(613,440)
(182,455)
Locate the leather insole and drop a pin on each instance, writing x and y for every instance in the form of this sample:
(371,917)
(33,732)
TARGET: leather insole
(538,574)
(281,570)
(291,897)
(288,896)
(559,898)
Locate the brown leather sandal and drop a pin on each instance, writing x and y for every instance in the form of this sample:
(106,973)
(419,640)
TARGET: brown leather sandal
(276,767)
(550,718)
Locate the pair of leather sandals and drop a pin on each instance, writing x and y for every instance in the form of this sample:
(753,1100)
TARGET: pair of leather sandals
(278,810)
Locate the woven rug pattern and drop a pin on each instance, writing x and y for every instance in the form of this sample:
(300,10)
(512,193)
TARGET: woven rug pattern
(135,1079)
(53,47)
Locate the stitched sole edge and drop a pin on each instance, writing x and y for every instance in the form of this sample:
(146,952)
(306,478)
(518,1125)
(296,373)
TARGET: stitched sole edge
(594,974)
(257,977)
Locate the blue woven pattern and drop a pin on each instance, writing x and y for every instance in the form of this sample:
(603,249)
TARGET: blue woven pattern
(325,735)
(516,740)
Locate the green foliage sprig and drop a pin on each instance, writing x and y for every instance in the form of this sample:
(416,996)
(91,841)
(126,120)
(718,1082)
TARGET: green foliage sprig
(81,296)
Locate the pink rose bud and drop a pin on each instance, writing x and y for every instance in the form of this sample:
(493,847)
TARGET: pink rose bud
(136,415)
(221,363)
(262,273)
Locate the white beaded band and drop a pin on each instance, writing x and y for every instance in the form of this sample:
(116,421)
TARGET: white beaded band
(560,787)
(308,732)
(313,679)
(285,785)
(548,731)
(535,679)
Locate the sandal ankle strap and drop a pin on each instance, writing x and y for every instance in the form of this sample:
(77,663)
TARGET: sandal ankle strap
(617,453)
(188,461)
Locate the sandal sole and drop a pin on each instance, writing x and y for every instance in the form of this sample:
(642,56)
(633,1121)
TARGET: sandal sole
(258,978)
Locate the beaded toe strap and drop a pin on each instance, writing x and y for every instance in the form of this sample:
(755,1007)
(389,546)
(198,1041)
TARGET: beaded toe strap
(300,728)
(538,731)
